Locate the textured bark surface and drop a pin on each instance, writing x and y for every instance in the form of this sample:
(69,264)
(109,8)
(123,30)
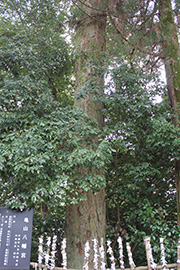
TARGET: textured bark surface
(90,42)
(171,54)
(86,220)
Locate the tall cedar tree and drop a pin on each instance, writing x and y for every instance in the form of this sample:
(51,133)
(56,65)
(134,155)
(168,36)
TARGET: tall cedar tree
(171,55)
(86,220)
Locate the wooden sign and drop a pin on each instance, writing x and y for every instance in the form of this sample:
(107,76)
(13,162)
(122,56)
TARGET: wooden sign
(15,238)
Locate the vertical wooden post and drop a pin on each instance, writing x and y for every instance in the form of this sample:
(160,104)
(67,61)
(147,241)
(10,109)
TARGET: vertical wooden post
(64,255)
(178,255)
(110,251)
(149,254)
(102,256)
(40,252)
(95,247)
(86,256)
(163,259)
(119,240)
(131,262)
(47,253)
(53,252)
(147,242)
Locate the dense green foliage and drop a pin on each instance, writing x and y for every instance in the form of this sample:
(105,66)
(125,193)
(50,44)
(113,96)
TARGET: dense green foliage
(42,136)
(140,185)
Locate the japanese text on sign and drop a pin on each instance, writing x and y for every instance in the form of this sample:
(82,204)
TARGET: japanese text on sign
(15,238)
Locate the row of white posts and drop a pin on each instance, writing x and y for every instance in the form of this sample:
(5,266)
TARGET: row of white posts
(46,258)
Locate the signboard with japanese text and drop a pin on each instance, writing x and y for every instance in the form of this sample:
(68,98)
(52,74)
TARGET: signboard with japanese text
(15,238)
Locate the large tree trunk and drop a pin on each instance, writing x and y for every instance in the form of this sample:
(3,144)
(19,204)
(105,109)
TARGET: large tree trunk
(86,220)
(171,54)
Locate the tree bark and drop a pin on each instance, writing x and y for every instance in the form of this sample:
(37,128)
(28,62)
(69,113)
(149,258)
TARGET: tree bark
(86,220)
(171,54)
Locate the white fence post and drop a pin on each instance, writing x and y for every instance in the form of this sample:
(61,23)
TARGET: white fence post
(119,240)
(40,252)
(110,251)
(131,262)
(63,252)
(53,252)
(86,256)
(47,252)
(102,256)
(163,258)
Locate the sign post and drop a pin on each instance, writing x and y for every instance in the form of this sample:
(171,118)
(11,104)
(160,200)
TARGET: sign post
(15,238)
